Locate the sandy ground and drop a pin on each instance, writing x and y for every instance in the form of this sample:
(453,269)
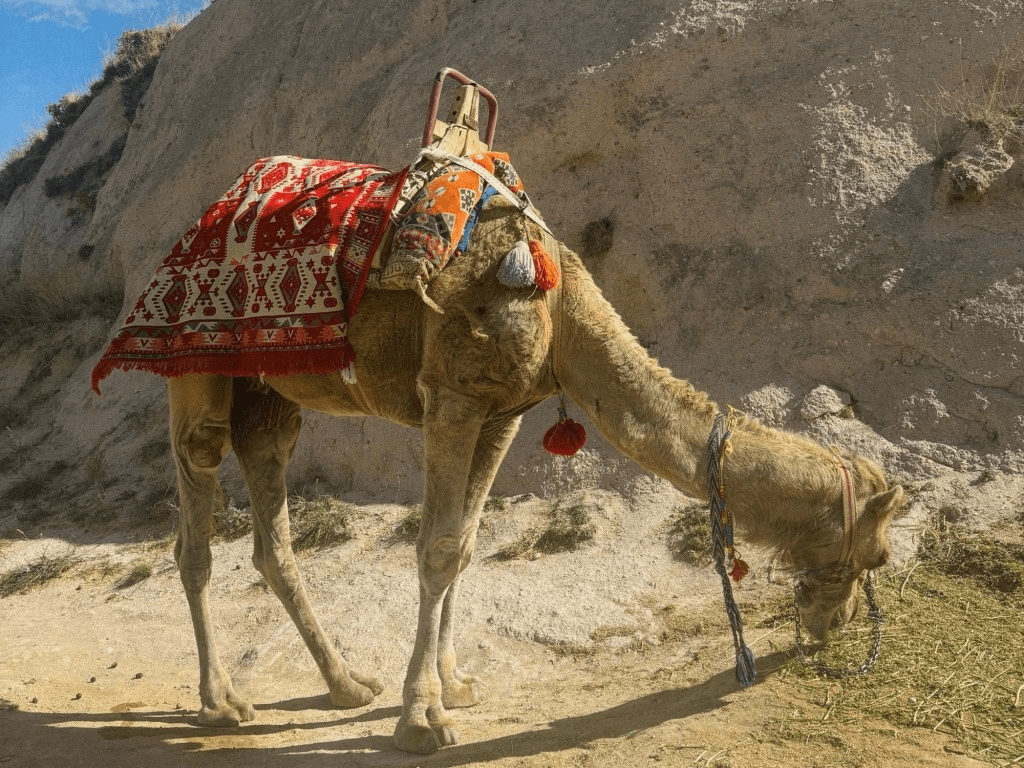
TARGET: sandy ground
(576,649)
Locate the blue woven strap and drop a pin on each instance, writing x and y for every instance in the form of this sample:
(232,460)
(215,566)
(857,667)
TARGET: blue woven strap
(486,195)
(722,540)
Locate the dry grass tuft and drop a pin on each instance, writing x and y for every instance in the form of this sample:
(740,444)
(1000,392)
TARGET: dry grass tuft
(408,528)
(38,572)
(22,310)
(990,101)
(137,574)
(569,528)
(689,535)
(320,522)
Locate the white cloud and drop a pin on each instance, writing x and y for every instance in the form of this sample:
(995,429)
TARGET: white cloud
(74,13)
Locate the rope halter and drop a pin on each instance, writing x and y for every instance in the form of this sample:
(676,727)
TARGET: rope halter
(835,577)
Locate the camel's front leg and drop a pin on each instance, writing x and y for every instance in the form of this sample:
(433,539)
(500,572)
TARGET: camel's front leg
(451,426)
(457,688)
(200,438)
(265,427)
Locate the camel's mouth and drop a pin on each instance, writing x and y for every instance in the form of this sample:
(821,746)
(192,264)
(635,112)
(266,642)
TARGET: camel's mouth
(824,605)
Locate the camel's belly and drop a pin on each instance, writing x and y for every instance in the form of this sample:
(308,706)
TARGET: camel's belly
(329,394)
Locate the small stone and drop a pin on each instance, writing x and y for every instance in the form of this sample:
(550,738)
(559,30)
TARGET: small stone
(138,676)
(112,666)
(34,700)
(92,679)
(78,696)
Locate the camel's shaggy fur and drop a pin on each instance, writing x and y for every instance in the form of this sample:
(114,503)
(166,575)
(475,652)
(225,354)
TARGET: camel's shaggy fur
(465,377)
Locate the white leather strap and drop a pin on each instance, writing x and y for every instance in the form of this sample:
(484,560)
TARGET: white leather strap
(522,203)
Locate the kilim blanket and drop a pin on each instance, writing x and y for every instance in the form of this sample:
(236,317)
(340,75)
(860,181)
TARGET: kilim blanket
(265,282)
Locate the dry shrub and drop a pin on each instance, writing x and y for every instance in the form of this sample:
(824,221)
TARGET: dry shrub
(320,522)
(137,574)
(38,572)
(231,522)
(991,101)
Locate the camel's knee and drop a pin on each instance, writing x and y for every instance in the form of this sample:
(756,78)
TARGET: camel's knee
(276,564)
(195,563)
(442,559)
(202,447)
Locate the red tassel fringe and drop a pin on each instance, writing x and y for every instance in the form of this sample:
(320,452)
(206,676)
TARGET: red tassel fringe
(544,266)
(251,362)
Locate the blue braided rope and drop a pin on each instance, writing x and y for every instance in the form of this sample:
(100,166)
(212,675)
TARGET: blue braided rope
(487,194)
(722,539)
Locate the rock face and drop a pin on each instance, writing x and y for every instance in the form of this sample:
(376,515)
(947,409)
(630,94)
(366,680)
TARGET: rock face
(762,189)
(42,236)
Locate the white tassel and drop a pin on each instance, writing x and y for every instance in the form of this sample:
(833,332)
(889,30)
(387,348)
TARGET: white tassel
(348,374)
(516,270)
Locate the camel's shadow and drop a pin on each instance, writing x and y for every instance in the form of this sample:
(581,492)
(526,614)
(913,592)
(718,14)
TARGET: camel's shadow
(159,739)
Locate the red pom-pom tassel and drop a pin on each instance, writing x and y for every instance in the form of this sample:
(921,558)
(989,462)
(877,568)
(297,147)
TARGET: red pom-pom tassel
(544,267)
(566,437)
(739,570)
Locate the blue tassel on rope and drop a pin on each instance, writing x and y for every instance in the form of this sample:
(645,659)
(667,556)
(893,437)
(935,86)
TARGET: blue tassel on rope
(746,672)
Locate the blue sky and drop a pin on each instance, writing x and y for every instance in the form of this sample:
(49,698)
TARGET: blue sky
(51,47)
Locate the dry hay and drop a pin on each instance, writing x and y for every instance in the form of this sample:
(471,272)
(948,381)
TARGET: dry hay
(689,535)
(952,659)
(315,523)
(568,528)
(320,522)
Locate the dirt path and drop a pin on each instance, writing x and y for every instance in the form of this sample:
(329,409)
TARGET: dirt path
(615,655)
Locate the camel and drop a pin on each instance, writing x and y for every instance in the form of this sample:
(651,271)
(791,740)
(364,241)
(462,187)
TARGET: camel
(465,377)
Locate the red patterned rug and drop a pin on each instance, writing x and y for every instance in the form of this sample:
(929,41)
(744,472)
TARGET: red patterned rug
(265,282)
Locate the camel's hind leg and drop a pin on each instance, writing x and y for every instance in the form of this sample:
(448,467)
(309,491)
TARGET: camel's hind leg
(457,688)
(200,408)
(264,428)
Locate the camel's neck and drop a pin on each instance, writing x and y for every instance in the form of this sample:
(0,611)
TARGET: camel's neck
(659,421)
(663,423)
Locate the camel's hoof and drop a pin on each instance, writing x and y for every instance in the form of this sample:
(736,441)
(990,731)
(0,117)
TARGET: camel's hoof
(419,739)
(352,695)
(447,735)
(463,693)
(369,681)
(227,716)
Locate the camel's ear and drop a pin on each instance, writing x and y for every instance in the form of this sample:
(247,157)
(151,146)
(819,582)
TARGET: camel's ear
(884,505)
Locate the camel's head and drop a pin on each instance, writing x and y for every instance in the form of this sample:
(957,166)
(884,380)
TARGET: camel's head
(832,567)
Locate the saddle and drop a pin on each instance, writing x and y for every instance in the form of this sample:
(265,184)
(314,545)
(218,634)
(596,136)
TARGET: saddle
(265,282)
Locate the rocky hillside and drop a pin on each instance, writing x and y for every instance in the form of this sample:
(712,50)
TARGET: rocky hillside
(810,210)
